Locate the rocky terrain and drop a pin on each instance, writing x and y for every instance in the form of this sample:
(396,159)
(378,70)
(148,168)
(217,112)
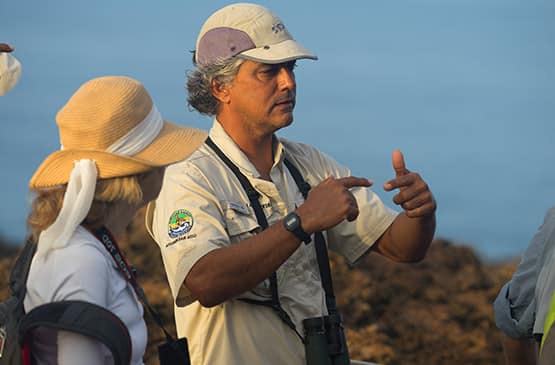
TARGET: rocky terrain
(435,312)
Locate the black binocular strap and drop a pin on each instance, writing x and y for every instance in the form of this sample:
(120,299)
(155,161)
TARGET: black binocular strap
(320,243)
(253,196)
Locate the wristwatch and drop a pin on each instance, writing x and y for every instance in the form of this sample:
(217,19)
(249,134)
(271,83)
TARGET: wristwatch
(292,223)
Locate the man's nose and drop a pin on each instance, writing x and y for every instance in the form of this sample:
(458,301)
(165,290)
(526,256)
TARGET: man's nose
(286,79)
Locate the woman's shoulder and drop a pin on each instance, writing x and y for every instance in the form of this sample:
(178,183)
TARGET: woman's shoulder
(83,253)
(84,244)
(79,270)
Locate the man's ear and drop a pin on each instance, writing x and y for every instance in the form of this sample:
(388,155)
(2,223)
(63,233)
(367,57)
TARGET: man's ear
(220,91)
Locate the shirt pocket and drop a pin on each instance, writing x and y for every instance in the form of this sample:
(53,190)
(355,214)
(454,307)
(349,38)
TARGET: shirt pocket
(240,222)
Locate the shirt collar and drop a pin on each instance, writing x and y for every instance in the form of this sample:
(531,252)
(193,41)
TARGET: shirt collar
(234,153)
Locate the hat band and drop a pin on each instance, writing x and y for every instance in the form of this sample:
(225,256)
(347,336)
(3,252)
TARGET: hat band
(138,138)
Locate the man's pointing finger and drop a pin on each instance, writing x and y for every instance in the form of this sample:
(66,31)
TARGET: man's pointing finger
(352,181)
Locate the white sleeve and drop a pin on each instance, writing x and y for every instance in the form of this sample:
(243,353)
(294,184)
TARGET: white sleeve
(82,273)
(76,272)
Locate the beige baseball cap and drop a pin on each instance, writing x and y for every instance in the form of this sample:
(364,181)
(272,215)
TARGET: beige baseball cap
(248,31)
(10,71)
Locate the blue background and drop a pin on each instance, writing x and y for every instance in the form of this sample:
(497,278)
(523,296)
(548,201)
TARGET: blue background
(465,88)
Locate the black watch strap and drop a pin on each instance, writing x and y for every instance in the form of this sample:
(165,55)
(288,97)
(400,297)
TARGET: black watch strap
(292,223)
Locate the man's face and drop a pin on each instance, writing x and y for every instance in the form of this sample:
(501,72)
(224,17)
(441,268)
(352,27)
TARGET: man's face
(262,96)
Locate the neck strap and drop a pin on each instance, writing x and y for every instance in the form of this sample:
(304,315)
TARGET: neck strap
(320,242)
(253,196)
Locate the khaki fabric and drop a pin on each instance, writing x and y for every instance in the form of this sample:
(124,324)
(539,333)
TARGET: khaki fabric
(215,212)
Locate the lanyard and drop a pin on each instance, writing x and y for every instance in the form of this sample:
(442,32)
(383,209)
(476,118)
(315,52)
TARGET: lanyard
(107,239)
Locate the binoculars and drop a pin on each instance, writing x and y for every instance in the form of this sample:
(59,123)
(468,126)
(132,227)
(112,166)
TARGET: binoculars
(174,352)
(325,342)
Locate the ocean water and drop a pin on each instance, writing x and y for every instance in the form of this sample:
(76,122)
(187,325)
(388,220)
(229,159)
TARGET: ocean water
(466,89)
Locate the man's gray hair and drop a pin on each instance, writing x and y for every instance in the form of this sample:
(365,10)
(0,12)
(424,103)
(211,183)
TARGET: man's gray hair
(199,84)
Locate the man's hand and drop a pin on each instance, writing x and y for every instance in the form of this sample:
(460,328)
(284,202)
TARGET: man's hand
(330,202)
(6,48)
(414,195)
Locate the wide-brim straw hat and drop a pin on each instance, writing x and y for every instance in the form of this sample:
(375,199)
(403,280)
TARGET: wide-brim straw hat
(104,115)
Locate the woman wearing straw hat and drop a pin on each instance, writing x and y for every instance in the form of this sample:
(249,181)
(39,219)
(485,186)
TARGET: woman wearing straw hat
(115,147)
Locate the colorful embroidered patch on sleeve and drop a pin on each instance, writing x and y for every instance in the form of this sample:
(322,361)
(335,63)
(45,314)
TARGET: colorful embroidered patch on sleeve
(181,222)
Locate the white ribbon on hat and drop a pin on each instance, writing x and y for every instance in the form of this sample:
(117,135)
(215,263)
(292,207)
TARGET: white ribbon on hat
(75,207)
(80,190)
(138,138)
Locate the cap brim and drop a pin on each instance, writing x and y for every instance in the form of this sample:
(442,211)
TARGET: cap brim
(285,51)
(172,144)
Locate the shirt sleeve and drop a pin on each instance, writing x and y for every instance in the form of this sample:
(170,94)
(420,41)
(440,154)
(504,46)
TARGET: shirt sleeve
(350,239)
(516,305)
(187,224)
(82,274)
(354,239)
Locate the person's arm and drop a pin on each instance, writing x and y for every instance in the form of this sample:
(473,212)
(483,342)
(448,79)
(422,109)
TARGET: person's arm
(76,278)
(409,236)
(227,272)
(519,351)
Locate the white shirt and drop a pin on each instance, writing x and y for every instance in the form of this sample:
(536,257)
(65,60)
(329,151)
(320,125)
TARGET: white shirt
(83,270)
(202,207)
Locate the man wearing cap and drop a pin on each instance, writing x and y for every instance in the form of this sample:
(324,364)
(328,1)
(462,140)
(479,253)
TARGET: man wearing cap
(217,256)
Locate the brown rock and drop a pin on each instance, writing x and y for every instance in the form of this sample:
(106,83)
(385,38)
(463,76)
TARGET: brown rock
(435,312)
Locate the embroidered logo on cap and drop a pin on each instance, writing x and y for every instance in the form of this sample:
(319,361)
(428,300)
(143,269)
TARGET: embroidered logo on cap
(181,222)
(279,27)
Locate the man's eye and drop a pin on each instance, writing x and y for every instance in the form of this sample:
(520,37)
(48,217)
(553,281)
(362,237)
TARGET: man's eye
(270,71)
(274,69)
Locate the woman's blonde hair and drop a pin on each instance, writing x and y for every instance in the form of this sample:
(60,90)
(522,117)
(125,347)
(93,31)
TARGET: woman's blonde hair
(47,203)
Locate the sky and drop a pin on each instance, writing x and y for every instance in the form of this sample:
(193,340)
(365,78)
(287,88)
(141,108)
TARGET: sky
(465,88)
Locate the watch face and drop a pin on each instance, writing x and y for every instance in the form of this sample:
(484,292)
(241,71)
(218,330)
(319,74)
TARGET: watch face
(291,221)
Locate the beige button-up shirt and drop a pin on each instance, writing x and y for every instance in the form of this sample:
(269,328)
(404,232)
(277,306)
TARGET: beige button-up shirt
(202,207)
